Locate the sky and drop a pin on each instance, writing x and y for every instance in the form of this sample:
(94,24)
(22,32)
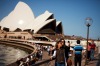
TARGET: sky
(72,13)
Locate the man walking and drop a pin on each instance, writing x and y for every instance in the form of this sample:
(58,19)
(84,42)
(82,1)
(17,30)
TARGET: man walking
(92,50)
(78,53)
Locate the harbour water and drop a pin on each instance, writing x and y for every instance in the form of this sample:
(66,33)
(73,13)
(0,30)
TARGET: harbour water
(9,54)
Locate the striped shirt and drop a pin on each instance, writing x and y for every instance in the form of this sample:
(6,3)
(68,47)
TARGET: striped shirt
(78,49)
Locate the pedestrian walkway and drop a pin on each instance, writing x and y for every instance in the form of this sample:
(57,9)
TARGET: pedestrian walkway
(45,57)
(90,63)
(93,62)
(51,63)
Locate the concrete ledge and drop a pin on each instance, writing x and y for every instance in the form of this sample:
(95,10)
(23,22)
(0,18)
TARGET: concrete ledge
(17,44)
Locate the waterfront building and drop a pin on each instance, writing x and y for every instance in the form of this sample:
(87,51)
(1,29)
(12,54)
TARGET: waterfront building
(23,23)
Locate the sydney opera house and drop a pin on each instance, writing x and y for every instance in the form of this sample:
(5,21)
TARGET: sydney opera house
(22,21)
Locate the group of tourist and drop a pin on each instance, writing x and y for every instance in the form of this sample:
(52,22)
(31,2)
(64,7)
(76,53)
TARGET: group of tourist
(32,58)
(92,47)
(62,51)
(91,50)
(27,61)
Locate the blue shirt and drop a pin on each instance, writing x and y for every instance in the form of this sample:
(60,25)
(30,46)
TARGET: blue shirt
(78,49)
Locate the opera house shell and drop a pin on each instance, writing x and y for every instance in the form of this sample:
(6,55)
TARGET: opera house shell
(22,19)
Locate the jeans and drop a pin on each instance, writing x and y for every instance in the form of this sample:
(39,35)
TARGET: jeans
(92,54)
(77,59)
(88,54)
(60,64)
(98,62)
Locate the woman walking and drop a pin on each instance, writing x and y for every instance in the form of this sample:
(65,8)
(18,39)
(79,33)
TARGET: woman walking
(59,54)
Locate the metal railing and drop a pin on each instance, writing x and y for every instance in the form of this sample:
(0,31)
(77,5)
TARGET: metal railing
(46,62)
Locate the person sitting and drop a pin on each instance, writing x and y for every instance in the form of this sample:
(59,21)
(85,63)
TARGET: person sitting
(28,60)
(21,62)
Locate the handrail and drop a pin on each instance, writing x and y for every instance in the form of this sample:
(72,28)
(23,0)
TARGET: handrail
(35,64)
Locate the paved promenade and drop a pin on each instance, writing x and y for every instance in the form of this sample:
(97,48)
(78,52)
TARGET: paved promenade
(90,63)
(45,56)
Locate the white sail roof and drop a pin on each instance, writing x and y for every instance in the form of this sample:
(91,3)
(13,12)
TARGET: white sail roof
(39,20)
(38,27)
(57,23)
(20,17)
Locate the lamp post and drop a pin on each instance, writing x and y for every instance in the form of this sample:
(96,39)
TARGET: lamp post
(88,23)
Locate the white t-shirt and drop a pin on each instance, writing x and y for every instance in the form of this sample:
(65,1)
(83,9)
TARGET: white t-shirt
(27,60)
(54,54)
